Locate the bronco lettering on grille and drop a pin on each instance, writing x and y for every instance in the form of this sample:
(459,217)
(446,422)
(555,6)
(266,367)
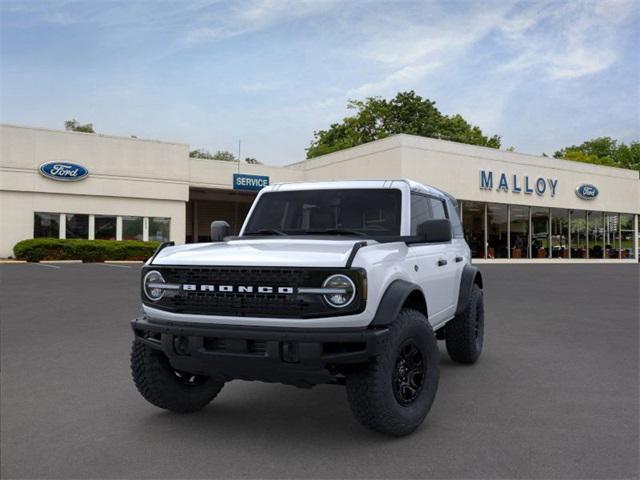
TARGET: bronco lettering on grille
(192,287)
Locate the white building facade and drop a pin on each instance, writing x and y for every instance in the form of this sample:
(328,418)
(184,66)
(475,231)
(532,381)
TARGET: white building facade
(514,207)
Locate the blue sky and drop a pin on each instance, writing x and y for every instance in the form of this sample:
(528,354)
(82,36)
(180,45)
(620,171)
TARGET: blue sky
(542,74)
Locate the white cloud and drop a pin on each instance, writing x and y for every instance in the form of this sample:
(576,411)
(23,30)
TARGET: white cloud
(405,77)
(245,17)
(564,41)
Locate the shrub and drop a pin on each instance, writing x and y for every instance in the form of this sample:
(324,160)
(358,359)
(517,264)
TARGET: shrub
(37,249)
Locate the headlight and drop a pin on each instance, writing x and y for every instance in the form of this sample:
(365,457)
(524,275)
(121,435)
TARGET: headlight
(343,290)
(153,285)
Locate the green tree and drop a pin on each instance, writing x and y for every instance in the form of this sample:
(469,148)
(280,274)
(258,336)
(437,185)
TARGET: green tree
(201,153)
(377,118)
(75,126)
(219,155)
(604,151)
(224,155)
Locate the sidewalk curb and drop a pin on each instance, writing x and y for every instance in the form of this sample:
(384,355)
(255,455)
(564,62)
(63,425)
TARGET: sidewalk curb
(7,261)
(60,261)
(138,262)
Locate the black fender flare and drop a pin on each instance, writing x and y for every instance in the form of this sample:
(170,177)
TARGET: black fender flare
(393,299)
(470,276)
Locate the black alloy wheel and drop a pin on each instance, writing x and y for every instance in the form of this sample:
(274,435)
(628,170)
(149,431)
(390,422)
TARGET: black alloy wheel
(408,374)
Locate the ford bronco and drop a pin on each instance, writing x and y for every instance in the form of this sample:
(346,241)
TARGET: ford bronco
(350,283)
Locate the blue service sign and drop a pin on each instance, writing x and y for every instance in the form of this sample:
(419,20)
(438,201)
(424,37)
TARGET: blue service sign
(586,191)
(63,171)
(243,181)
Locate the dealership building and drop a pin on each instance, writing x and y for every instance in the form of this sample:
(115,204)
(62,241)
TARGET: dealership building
(514,207)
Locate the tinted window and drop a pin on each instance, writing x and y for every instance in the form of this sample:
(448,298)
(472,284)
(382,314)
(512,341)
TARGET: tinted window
(46,225)
(159,228)
(497,227)
(425,208)
(132,228)
(473,218)
(77,226)
(105,227)
(437,208)
(421,211)
(456,226)
(374,212)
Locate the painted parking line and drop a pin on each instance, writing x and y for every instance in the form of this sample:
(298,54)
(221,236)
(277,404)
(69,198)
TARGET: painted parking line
(47,265)
(113,265)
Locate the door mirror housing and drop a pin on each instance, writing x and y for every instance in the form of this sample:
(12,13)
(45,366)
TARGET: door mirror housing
(219,230)
(434,231)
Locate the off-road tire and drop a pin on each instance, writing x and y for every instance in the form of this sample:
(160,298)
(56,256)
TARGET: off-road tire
(464,335)
(370,388)
(163,387)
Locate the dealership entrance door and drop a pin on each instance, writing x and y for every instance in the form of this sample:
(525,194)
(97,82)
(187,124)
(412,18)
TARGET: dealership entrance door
(207,205)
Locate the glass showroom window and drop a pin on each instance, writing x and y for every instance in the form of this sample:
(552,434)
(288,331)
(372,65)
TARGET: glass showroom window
(611,235)
(473,225)
(519,231)
(497,226)
(105,227)
(559,233)
(595,237)
(159,229)
(539,232)
(132,228)
(626,236)
(578,234)
(77,226)
(46,225)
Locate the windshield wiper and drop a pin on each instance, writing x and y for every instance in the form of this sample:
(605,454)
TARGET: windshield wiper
(337,231)
(266,231)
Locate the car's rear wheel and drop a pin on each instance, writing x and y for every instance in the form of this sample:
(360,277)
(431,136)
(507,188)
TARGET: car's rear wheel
(163,386)
(464,335)
(393,393)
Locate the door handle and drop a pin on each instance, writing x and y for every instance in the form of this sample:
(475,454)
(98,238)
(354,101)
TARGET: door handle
(442,262)
(459,259)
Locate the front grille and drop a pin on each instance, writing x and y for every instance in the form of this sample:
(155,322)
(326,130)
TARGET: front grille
(238,276)
(252,304)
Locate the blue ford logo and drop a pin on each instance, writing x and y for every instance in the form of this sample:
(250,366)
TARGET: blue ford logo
(64,171)
(586,191)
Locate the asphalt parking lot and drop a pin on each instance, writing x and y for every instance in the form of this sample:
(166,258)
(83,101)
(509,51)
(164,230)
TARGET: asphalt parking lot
(555,394)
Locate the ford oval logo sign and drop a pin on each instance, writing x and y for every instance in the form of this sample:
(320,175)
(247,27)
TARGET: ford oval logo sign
(64,171)
(586,191)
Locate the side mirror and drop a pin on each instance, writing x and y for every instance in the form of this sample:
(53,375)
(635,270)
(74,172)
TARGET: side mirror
(437,230)
(219,230)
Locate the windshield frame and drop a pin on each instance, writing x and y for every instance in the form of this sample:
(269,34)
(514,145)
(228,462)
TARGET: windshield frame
(337,233)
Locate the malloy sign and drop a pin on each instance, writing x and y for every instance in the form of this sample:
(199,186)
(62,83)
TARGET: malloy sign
(518,183)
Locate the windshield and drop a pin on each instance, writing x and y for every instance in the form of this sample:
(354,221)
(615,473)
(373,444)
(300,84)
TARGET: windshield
(360,212)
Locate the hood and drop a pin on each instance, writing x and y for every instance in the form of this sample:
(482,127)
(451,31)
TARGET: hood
(276,252)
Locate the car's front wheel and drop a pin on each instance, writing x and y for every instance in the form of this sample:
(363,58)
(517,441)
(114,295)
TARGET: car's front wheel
(163,386)
(394,393)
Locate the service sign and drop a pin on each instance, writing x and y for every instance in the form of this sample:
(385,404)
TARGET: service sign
(63,171)
(586,191)
(254,183)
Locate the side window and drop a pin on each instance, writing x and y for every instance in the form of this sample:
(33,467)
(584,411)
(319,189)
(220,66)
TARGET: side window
(420,211)
(456,226)
(437,207)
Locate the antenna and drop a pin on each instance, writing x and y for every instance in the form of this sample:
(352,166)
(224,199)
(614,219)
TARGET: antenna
(236,227)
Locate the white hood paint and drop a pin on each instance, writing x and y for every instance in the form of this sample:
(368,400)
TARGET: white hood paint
(272,252)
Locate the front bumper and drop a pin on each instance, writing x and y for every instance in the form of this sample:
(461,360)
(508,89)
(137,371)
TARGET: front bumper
(302,357)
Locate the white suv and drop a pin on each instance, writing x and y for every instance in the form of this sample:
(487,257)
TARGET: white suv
(348,283)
